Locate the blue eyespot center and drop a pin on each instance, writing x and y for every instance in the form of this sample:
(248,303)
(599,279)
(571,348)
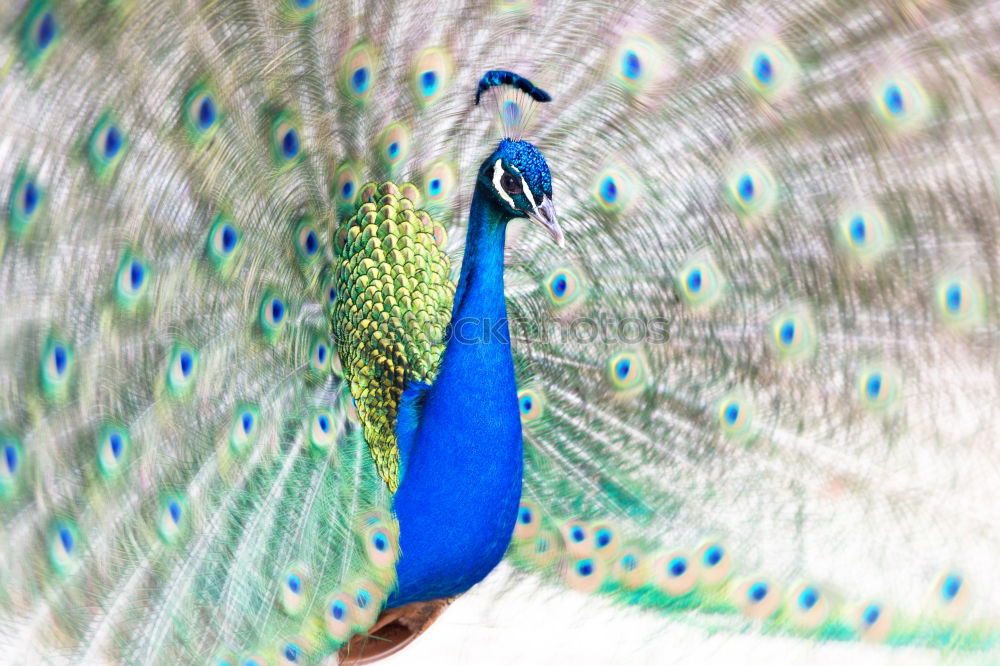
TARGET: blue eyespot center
(206,113)
(277,311)
(186,363)
(525,515)
(951,587)
(294,583)
(292,652)
(59,357)
(577,534)
(871,615)
(116,443)
(953,298)
(175,511)
(874,386)
(694,280)
(745,187)
(324,422)
(629,562)
(609,189)
(46,31)
(136,274)
(363,599)
(321,353)
(10,458)
(312,243)
(380,542)
(732,413)
(622,368)
(757,592)
(331,294)
(541,546)
(393,150)
(631,66)
(787,333)
(290,144)
(428,82)
(435,187)
(30,198)
(713,555)
(892,97)
(246,421)
(337,610)
(677,567)
(603,538)
(559,285)
(858,230)
(359,80)
(763,69)
(808,598)
(526,404)
(585,567)
(229,238)
(112,142)
(66,539)
(347,189)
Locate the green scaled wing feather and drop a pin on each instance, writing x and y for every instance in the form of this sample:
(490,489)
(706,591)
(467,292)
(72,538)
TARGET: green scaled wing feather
(395,296)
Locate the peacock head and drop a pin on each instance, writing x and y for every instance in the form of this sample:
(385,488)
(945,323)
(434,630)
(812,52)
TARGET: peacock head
(516,175)
(518,178)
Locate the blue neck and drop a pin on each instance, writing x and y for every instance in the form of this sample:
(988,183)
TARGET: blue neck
(458,498)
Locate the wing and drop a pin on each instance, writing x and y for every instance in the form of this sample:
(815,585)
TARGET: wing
(394,303)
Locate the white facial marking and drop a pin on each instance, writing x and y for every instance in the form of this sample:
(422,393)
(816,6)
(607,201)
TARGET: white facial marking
(527,193)
(497,175)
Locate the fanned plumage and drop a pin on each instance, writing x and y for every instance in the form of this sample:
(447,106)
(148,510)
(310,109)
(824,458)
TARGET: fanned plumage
(757,387)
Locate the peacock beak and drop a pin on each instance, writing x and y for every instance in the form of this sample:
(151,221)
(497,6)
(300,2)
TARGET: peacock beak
(545,215)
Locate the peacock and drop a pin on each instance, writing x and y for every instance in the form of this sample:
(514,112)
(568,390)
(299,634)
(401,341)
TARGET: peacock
(295,349)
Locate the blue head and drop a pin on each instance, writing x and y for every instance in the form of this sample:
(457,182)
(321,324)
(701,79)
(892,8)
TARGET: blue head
(516,175)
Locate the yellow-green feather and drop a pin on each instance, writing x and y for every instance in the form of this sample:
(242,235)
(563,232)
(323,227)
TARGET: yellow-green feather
(395,297)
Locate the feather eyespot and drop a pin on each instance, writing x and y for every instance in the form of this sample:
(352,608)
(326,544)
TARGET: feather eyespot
(631,568)
(808,606)
(873,622)
(322,431)
(131,282)
(113,446)
(11,461)
(541,551)
(614,189)
(381,546)
(395,145)
(366,601)
(64,546)
(714,562)
(638,64)
(294,585)
(181,369)
(40,32)
(56,368)
(286,141)
(901,103)
(337,618)
(700,281)
(201,113)
(585,574)
(627,372)
(300,9)
(770,69)
(675,574)
(26,202)
(431,74)
(307,240)
(223,242)
(243,429)
(606,540)
(344,187)
(358,71)
(531,404)
(959,299)
(577,537)
(751,191)
(563,287)
(759,598)
(173,519)
(106,147)
(864,234)
(439,182)
(528,521)
(273,316)
(793,333)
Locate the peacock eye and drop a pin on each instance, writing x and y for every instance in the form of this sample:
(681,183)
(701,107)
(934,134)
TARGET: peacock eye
(510,184)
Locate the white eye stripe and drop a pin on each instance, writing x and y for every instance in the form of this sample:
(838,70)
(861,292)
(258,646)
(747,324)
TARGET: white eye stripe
(498,173)
(527,192)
